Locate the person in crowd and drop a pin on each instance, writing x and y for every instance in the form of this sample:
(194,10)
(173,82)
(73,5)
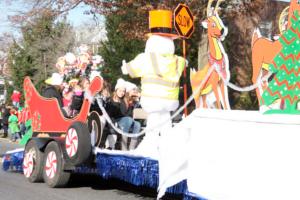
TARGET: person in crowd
(84,83)
(22,118)
(54,89)
(1,117)
(77,99)
(119,110)
(133,95)
(15,98)
(13,125)
(67,99)
(106,93)
(6,114)
(105,96)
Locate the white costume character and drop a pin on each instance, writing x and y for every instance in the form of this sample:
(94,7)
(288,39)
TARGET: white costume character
(160,71)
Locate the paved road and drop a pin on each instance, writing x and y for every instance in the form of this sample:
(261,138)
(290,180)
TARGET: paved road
(13,186)
(5,145)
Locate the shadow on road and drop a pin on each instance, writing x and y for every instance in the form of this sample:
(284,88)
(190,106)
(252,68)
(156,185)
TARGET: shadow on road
(97,183)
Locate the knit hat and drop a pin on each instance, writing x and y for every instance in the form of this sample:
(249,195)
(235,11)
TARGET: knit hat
(55,79)
(130,86)
(120,84)
(70,58)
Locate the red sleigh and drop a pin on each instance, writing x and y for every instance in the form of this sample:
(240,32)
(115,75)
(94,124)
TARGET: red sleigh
(46,114)
(56,139)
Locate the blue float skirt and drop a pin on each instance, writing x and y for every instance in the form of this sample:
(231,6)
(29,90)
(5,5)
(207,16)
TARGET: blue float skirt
(138,171)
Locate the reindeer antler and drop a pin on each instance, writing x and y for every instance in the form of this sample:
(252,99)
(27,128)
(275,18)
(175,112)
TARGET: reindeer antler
(208,9)
(218,5)
(283,19)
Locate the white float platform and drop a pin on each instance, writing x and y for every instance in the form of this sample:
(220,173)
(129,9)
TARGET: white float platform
(234,155)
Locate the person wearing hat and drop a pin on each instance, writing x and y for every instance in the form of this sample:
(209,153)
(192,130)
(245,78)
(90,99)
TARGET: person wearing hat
(160,71)
(120,111)
(15,98)
(132,95)
(54,88)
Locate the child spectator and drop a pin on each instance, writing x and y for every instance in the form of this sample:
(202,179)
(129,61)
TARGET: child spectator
(13,125)
(15,98)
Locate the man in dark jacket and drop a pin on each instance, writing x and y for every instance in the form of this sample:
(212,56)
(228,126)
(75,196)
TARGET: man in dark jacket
(5,117)
(53,90)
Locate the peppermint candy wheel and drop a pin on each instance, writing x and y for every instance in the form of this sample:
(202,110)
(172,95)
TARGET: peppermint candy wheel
(71,142)
(54,173)
(78,146)
(33,162)
(28,164)
(51,164)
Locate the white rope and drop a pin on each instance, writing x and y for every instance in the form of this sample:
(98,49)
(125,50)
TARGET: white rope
(132,135)
(108,119)
(231,85)
(242,89)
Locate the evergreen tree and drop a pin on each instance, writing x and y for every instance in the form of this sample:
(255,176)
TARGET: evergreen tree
(117,48)
(44,40)
(286,66)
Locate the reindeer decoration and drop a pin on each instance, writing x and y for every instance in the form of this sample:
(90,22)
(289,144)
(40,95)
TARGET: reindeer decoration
(216,32)
(265,50)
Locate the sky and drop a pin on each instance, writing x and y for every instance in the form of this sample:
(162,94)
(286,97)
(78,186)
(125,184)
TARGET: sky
(76,16)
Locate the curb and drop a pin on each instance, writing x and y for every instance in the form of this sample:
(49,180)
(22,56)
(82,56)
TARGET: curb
(4,139)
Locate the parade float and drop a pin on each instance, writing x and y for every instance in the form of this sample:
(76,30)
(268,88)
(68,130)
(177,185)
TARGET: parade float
(211,153)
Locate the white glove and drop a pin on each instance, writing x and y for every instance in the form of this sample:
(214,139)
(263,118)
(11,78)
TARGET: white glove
(186,63)
(124,68)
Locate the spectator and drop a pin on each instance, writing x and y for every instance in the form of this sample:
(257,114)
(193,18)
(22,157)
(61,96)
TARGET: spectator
(105,93)
(5,117)
(119,110)
(22,118)
(13,125)
(84,83)
(67,99)
(133,95)
(77,100)
(1,117)
(15,98)
(54,89)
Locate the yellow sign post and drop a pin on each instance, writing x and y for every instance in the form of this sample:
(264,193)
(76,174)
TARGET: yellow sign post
(184,25)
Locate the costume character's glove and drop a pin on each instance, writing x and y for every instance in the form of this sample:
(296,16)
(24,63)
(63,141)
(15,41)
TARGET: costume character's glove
(124,68)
